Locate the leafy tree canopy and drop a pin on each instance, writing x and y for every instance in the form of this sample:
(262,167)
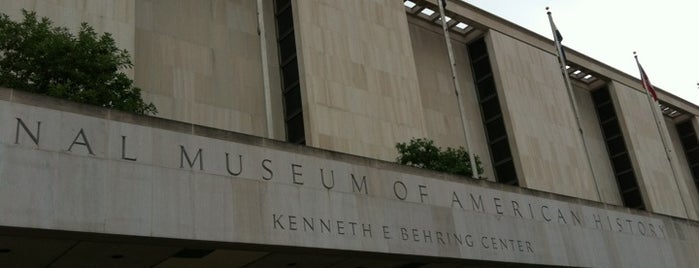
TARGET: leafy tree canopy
(38,57)
(422,153)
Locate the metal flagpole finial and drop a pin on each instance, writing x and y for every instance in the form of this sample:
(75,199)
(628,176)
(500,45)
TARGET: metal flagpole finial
(547,11)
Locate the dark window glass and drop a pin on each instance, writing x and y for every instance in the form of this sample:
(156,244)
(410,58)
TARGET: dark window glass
(491,113)
(481,69)
(633,199)
(626,180)
(281,4)
(606,112)
(295,129)
(477,50)
(610,129)
(685,127)
(621,163)
(292,100)
(285,22)
(491,108)
(600,97)
(495,129)
(500,151)
(506,173)
(690,141)
(693,154)
(290,73)
(616,147)
(690,145)
(287,48)
(695,171)
(486,87)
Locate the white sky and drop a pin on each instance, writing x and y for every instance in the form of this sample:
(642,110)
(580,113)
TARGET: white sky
(664,33)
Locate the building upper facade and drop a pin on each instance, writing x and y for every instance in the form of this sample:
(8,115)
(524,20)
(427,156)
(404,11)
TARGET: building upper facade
(360,76)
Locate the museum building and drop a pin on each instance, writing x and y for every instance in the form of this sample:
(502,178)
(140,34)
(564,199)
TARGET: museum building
(275,145)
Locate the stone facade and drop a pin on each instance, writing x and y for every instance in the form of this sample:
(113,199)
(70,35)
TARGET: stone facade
(154,178)
(371,74)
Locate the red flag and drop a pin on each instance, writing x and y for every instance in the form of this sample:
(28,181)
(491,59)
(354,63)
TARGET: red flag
(646,82)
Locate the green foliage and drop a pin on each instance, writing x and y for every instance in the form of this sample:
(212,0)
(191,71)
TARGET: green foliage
(37,57)
(423,153)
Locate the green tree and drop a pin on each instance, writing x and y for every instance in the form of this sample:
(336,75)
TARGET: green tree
(422,153)
(38,57)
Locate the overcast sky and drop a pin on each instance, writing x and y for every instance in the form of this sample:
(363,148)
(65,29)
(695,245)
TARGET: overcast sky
(664,33)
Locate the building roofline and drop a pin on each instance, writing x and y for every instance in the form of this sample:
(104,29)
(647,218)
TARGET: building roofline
(484,20)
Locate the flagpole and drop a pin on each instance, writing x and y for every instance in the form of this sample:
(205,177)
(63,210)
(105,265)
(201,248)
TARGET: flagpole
(457,89)
(265,69)
(571,98)
(655,108)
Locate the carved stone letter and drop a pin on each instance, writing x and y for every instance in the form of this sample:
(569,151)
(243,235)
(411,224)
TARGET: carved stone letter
(184,156)
(84,142)
(35,139)
(123,150)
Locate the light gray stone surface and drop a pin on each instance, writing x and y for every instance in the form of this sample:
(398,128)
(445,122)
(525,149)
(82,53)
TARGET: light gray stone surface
(280,198)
